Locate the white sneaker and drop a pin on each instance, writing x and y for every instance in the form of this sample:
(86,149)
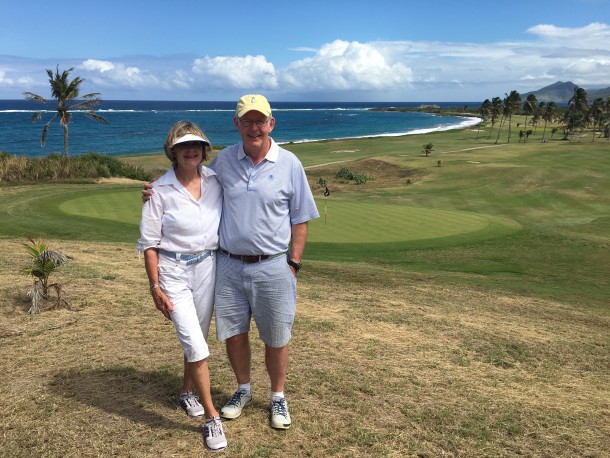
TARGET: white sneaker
(238,401)
(280,417)
(214,435)
(191,405)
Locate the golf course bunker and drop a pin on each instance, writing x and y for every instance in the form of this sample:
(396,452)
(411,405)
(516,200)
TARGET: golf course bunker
(357,222)
(340,222)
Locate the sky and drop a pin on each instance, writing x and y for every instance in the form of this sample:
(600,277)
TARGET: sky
(331,50)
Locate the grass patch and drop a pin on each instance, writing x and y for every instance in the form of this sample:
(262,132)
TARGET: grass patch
(471,305)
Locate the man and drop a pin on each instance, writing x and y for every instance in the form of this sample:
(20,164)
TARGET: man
(267,204)
(263,230)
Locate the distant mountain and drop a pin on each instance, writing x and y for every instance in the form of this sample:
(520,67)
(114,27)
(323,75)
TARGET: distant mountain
(563,92)
(595,93)
(556,92)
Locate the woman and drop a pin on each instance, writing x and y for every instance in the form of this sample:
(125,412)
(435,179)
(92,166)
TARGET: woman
(179,236)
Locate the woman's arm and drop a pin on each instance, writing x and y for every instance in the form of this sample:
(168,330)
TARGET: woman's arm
(162,302)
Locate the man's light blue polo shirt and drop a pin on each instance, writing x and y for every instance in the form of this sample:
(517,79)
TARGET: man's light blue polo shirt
(261,203)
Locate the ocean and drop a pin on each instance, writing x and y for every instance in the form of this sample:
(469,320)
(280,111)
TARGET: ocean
(140,127)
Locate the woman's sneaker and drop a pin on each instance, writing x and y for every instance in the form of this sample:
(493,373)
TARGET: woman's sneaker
(213,435)
(191,405)
(233,408)
(280,417)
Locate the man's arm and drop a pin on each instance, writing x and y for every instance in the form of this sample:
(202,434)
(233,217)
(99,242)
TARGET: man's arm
(299,238)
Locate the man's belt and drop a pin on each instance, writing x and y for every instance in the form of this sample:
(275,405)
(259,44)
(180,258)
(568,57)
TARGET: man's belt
(250,258)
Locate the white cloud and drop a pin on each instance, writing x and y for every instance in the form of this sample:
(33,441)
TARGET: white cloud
(4,80)
(111,74)
(236,72)
(594,34)
(377,70)
(97,65)
(343,65)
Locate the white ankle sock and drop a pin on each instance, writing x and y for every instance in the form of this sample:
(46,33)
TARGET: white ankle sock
(245,386)
(277,395)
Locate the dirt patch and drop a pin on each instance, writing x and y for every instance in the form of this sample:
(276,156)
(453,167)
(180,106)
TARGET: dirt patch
(382,174)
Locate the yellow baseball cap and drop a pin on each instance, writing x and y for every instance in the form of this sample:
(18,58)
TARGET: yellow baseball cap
(253,102)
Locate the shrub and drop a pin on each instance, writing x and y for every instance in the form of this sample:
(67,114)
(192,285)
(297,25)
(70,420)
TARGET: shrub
(44,263)
(360,178)
(344,173)
(55,167)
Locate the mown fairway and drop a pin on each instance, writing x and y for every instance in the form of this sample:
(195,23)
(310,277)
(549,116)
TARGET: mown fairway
(452,309)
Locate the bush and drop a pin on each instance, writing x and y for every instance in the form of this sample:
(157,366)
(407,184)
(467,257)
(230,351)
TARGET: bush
(55,167)
(359,178)
(344,173)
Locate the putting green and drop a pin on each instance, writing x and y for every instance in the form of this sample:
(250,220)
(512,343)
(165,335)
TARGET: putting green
(339,222)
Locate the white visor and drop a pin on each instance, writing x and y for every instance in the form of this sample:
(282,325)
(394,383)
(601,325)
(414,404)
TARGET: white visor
(190,138)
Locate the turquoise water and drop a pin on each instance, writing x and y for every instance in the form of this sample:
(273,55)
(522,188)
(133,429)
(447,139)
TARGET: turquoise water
(138,127)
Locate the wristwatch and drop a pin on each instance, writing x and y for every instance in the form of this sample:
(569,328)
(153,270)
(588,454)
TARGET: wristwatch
(296,265)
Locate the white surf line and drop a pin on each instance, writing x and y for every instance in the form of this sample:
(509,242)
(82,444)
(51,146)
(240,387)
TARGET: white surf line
(322,165)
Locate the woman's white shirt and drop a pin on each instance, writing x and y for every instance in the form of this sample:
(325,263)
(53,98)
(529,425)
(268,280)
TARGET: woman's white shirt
(173,220)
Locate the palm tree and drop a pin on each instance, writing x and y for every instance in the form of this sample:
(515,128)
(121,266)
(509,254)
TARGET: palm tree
(597,113)
(485,111)
(513,104)
(537,115)
(528,107)
(44,262)
(67,95)
(496,111)
(607,125)
(548,116)
(510,105)
(575,117)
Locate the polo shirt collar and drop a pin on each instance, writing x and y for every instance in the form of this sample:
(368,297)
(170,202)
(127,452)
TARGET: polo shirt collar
(271,155)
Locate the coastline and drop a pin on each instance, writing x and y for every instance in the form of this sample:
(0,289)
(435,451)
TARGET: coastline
(137,128)
(469,121)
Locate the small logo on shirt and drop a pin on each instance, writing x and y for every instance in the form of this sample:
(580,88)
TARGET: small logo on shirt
(271,177)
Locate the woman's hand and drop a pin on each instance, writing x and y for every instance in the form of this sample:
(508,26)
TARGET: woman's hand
(162,302)
(147,191)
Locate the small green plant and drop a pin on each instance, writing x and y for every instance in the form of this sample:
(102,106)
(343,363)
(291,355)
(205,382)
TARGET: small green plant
(428,149)
(322,182)
(360,178)
(345,173)
(44,263)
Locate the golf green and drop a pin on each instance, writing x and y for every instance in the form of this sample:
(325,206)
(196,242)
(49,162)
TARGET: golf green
(340,221)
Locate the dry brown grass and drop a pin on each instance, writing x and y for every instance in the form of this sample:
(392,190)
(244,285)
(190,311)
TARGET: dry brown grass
(383,363)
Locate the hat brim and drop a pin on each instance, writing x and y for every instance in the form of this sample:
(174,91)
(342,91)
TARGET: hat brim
(189,138)
(248,109)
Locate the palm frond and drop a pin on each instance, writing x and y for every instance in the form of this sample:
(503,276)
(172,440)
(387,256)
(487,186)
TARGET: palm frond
(86,104)
(97,117)
(91,95)
(34,97)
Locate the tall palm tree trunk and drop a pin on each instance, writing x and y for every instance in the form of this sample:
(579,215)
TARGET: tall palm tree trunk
(66,141)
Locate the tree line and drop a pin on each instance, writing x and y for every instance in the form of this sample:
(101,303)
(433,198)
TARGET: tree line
(574,119)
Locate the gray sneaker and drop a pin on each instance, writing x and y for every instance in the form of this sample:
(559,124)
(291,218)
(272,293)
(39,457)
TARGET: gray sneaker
(238,401)
(191,405)
(280,417)
(213,435)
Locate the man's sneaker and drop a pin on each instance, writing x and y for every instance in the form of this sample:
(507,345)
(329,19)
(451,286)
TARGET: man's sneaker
(233,408)
(280,417)
(213,435)
(191,405)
